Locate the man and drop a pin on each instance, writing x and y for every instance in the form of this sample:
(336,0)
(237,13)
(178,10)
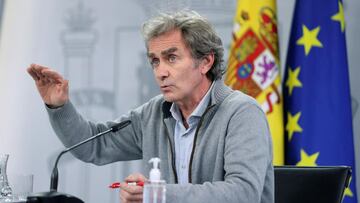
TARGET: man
(213,142)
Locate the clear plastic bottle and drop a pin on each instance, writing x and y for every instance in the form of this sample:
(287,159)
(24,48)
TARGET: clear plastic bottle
(155,188)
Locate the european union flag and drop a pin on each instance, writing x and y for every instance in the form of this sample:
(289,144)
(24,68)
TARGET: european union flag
(316,90)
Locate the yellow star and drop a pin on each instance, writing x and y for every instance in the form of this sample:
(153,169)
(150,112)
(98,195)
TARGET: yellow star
(309,39)
(348,192)
(292,80)
(339,16)
(307,160)
(292,124)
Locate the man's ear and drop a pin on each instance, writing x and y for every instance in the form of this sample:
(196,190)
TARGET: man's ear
(206,63)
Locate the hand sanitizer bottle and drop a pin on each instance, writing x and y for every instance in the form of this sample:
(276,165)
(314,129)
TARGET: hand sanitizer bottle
(154,189)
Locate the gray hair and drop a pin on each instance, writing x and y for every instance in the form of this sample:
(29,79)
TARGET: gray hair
(197,33)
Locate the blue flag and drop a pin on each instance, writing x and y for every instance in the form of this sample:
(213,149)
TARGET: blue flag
(316,90)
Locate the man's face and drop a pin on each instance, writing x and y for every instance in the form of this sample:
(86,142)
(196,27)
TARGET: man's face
(180,79)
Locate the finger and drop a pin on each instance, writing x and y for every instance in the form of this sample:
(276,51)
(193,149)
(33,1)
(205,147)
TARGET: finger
(131,189)
(135,177)
(129,201)
(36,69)
(39,67)
(43,81)
(52,75)
(43,72)
(32,72)
(130,197)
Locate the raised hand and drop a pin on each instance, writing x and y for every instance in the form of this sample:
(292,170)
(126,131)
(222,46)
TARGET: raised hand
(53,88)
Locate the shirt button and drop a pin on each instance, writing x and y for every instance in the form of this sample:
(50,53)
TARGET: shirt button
(183,166)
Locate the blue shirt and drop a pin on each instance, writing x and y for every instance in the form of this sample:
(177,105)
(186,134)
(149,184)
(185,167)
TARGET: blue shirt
(184,137)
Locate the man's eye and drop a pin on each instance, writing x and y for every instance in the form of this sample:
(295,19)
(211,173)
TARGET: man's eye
(172,58)
(154,62)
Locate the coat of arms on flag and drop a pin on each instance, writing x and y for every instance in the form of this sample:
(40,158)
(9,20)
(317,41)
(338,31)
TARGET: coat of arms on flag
(253,65)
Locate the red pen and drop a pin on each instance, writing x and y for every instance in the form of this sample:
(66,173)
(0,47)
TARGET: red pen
(117,184)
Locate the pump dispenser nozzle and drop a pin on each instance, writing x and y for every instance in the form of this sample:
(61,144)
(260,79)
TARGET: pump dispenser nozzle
(155,188)
(155,171)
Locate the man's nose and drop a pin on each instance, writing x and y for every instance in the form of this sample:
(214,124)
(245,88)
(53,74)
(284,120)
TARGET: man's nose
(161,71)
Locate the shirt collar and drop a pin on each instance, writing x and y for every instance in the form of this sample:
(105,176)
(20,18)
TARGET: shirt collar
(199,110)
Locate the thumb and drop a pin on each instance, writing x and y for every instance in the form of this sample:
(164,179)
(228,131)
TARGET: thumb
(135,177)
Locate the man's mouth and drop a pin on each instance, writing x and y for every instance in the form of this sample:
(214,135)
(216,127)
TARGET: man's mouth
(165,87)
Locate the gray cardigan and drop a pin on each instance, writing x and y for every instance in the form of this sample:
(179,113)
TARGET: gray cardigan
(231,160)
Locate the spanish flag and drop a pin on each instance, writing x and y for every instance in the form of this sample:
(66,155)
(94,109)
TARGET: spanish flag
(253,65)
